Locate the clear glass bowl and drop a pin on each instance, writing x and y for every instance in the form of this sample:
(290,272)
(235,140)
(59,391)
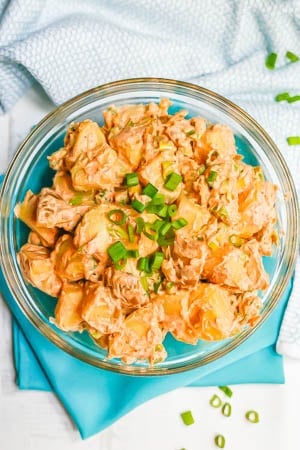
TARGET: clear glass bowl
(29,170)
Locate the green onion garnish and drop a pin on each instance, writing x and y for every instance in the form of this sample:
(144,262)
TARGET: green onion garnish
(120,264)
(212,176)
(235,240)
(293,140)
(156,260)
(144,283)
(292,57)
(157,225)
(117,251)
(137,205)
(149,232)
(162,211)
(293,99)
(164,241)
(187,417)
(77,199)
(282,96)
(179,223)
(172,181)
(117,216)
(201,169)
(227,391)
(165,228)
(220,441)
(133,253)
(149,190)
(172,209)
(130,233)
(144,264)
(215,401)
(226,409)
(190,132)
(158,199)
(131,179)
(252,416)
(140,223)
(271,61)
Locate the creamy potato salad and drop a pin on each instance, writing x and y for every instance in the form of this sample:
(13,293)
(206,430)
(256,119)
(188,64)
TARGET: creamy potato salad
(153,225)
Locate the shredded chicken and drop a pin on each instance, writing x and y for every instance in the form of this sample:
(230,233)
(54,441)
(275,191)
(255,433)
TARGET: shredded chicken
(154,224)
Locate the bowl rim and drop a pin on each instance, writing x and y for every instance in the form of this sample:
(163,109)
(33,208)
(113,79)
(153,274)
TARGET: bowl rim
(48,332)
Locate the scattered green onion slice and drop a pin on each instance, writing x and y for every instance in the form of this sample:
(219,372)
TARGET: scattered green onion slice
(172,210)
(118,230)
(292,57)
(144,264)
(144,283)
(158,199)
(252,416)
(137,205)
(157,225)
(215,401)
(117,216)
(179,223)
(117,251)
(190,132)
(271,61)
(140,223)
(293,99)
(236,240)
(187,417)
(282,96)
(132,253)
(156,260)
(172,181)
(130,233)
(77,199)
(162,211)
(226,409)
(212,176)
(220,441)
(165,228)
(164,241)
(149,232)
(293,140)
(156,286)
(131,179)
(227,391)
(150,190)
(201,169)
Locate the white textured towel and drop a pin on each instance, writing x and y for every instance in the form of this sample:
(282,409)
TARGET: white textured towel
(69,46)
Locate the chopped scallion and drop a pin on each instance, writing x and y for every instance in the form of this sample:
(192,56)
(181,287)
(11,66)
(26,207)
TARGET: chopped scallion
(134,253)
(172,209)
(271,61)
(215,401)
(201,169)
(165,228)
(144,283)
(292,57)
(137,205)
(140,223)
(293,140)
(172,181)
(144,264)
(158,199)
(162,211)
(130,233)
(293,99)
(120,264)
(252,416)
(156,260)
(220,441)
(227,391)
(282,97)
(131,179)
(226,409)
(150,190)
(117,216)
(117,251)
(212,176)
(149,232)
(187,417)
(179,223)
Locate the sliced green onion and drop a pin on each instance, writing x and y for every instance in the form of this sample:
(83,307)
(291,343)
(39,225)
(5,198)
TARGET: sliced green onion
(120,264)
(201,169)
(149,190)
(133,253)
(117,216)
(149,232)
(170,285)
(293,99)
(156,260)
(165,228)
(172,181)
(162,211)
(157,225)
(282,96)
(158,199)
(144,283)
(293,140)
(172,210)
(144,264)
(137,205)
(156,286)
(130,233)
(117,251)
(118,230)
(220,441)
(187,417)
(140,223)
(179,223)
(131,179)
(252,416)
(212,176)
(226,409)
(190,132)
(292,57)
(227,391)
(215,401)
(235,240)
(77,199)
(271,61)
(168,239)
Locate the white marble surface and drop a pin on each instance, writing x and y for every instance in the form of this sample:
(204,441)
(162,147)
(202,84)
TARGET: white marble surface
(36,420)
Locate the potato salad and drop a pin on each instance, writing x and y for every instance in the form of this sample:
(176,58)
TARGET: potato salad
(153,224)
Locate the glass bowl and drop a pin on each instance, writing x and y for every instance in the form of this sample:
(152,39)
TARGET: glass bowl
(29,170)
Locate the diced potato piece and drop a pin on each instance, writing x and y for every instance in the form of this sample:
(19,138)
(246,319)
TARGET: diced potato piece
(129,144)
(195,214)
(26,211)
(68,308)
(67,261)
(221,139)
(122,115)
(101,310)
(38,269)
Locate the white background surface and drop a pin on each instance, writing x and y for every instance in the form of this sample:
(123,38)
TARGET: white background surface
(31,420)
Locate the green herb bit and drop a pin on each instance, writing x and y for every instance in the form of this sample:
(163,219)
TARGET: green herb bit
(150,190)
(140,223)
(130,233)
(282,97)
(144,283)
(187,418)
(165,228)
(156,260)
(138,206)
(235,240)
(144,264)
(158,199)
(291,56)
(220,441)
(77,199)
(134,253)
(131,179)
(293,140)
(226,409)
(201,169)
(162,211)
(117,251)
(117,216)
(293,99)
(212,176)
(179,223)
(190,132)
(227,391)
(252,416)
(215,401)
(271,61)
(172,210)
(120,264)
(150,232)
(172,181)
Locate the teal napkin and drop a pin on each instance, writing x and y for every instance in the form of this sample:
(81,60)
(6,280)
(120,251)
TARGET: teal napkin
(96,398)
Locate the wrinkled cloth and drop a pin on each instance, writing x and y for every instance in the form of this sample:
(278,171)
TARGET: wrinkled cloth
(70,46)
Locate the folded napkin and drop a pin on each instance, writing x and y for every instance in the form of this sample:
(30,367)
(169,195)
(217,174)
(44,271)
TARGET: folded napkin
(71,46)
